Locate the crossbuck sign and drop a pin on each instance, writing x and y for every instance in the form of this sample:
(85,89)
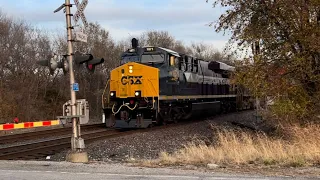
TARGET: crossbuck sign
(80,36)
(79,12)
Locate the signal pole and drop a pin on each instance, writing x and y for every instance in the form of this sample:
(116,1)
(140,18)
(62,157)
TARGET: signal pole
(72,81)
(77,143)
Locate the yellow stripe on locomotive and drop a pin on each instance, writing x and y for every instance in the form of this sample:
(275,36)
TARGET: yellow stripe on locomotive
(134,80)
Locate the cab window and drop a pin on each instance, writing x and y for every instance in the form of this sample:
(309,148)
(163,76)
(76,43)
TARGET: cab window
(174,61)
(126,59)
(152,58)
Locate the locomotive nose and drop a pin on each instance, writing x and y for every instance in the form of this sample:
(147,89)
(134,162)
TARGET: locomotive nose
(134,80)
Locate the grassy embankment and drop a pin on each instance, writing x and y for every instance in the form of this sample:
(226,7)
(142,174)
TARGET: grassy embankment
(298,147)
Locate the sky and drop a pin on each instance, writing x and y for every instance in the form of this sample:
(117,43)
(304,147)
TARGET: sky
(186,20)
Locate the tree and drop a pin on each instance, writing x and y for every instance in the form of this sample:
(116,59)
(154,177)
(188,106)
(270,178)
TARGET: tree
(207,52)
(157,38)
(162,39)
(22,84)
(285,36)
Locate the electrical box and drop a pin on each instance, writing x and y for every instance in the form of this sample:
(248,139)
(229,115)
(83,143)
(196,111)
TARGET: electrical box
(82,111)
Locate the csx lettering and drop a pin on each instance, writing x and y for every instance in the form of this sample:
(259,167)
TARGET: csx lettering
(131,79)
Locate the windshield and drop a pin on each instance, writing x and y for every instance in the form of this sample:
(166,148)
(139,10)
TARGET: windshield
(152,58)
(126,59)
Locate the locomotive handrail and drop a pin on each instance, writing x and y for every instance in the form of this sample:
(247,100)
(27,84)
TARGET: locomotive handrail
(154,89)
(135,106)
(104,91)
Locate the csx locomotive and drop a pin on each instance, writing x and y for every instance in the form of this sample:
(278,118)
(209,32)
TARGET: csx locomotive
(155,85)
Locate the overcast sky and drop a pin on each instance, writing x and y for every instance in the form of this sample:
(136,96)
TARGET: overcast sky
(186,20)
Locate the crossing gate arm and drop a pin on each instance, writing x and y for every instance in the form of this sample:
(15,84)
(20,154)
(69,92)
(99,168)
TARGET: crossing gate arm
(25,125)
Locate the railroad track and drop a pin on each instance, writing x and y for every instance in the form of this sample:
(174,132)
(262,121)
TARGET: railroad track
(15,138)
(44,148)
(41,149)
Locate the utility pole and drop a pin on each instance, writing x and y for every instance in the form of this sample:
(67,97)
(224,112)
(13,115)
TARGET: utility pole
(77,153)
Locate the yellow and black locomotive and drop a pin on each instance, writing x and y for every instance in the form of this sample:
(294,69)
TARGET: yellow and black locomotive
(155,85)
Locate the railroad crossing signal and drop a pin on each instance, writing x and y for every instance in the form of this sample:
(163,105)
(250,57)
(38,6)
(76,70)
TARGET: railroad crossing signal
(54,62)
(77,143)
(87,59)
(91,65)
(80,58)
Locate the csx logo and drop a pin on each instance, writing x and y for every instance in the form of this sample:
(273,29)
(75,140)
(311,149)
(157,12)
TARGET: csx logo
(131,79)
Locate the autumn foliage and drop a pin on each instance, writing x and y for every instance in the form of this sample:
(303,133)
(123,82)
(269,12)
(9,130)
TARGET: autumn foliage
(285,64)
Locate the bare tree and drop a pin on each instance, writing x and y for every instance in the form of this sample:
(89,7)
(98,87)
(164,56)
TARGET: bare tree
(21,83)
(209,53)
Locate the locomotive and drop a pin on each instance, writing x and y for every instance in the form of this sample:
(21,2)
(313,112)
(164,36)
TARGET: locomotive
(155,85)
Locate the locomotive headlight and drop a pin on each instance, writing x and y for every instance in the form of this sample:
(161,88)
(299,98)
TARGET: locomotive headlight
(112,94)
(137,93)
(130,69)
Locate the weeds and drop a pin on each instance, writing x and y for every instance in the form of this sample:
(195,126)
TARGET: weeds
(240,147)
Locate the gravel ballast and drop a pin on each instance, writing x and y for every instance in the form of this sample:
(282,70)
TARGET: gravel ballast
(148,145)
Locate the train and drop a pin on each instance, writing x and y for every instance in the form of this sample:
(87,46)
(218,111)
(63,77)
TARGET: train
(155,86)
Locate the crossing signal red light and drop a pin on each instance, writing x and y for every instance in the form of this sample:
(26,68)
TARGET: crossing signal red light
(91,65)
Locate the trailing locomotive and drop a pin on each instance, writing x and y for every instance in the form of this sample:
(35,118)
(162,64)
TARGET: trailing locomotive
(155,85)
